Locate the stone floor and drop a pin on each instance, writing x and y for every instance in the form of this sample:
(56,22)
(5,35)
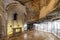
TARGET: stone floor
(35,35)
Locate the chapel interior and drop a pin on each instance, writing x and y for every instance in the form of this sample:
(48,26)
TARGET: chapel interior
(29,19)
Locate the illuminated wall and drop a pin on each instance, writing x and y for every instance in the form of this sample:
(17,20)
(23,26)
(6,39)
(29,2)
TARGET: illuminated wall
(12,25)
(52,27)
(15,7)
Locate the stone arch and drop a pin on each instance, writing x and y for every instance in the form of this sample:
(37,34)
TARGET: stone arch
(12,8)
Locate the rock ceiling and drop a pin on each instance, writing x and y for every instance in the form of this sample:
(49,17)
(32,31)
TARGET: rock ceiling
(39,9)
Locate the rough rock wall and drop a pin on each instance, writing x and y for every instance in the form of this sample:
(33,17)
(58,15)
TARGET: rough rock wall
(49,8)
(32,10)
(38,9)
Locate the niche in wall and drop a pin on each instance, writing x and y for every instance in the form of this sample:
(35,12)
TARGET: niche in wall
(15,16)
